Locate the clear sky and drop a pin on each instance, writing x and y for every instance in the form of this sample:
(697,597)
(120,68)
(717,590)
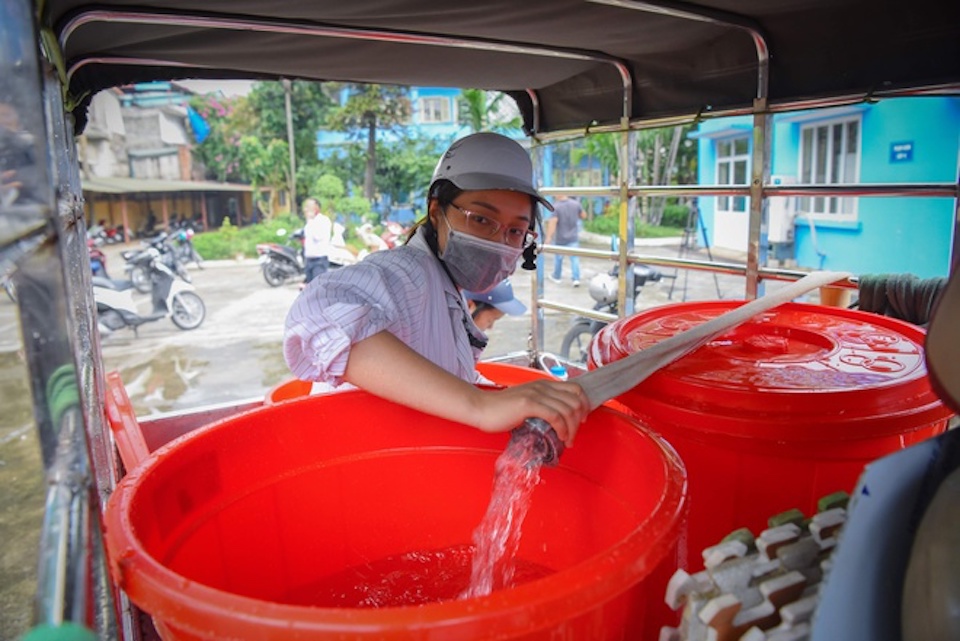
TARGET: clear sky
(228,88)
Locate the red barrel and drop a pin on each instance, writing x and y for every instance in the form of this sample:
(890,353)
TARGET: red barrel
(225,532)
(779,411)
(499,373)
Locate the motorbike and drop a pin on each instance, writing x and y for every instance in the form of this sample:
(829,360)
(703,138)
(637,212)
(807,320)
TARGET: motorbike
(103,234)
(170,296)
(281,262)
(603,290)
(138,261)
(184,249)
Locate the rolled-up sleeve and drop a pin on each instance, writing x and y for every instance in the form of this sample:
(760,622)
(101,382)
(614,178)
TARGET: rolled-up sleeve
(340,308)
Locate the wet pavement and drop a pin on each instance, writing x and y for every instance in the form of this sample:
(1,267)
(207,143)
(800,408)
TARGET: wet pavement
(236,353)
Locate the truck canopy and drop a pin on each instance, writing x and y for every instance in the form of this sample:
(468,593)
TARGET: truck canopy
(569,64)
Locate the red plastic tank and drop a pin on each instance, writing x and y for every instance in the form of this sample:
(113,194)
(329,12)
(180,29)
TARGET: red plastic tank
(221,533)
(498,373)
(781,410)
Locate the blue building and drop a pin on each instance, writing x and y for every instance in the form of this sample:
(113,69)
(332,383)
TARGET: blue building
(434,113)
(903,140)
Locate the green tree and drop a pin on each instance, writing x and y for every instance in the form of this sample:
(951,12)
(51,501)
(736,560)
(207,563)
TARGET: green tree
(248,137)
(329,191)
(662,157)
(309,105)
(405,167)
(367,109)
(264,166)
(482,110)
(219,153)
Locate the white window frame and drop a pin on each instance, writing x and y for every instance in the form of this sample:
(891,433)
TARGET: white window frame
(725,168)
(822,163)
(435,110)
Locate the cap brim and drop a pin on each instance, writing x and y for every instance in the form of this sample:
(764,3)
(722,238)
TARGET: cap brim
(477,181)
(513,307)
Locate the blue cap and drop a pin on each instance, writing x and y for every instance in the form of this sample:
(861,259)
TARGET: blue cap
(500,297)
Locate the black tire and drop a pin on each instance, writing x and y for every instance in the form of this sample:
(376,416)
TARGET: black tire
(188,310)
(274,274)
(575,342)
(141,279)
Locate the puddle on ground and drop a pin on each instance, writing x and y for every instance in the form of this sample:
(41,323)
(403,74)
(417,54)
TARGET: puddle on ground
(180,378)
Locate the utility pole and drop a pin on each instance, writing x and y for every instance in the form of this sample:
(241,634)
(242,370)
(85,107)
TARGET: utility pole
(287,90)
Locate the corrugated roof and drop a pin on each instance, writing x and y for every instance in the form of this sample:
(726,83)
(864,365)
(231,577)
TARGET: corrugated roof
(153,186)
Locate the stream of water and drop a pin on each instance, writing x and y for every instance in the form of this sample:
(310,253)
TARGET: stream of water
(497,538)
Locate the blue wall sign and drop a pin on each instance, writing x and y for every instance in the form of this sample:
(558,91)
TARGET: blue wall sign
(901,151)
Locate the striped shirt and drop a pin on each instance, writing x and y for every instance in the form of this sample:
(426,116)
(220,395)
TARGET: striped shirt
(405,291)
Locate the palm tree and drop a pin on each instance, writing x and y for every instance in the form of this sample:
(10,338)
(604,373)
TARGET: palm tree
(486,111)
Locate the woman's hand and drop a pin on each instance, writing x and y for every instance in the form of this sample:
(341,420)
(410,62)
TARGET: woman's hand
(563,405)
(388,368)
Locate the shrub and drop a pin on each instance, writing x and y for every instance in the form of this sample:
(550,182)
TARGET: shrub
(609,225)
(230,241)
(675,216)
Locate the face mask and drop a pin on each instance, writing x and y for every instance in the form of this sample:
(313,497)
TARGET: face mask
(478,265)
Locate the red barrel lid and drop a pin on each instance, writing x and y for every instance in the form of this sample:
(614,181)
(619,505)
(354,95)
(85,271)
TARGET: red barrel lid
(797,363)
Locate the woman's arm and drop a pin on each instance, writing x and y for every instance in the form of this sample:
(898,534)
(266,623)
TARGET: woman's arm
(386,367)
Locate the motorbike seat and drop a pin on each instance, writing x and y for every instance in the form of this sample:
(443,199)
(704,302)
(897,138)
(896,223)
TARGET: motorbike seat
(107,283)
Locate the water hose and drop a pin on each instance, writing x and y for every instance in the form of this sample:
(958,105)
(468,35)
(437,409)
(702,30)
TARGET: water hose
(614,379)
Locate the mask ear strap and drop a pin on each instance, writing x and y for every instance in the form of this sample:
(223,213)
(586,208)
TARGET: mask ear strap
(530,253)
(530,257)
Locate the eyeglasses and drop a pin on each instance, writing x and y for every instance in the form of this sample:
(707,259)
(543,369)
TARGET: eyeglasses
(486,227)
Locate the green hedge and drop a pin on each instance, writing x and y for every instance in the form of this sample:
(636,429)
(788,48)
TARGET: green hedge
(230,241)
(609,224)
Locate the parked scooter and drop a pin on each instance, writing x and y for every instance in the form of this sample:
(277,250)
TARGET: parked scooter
(184,250)
(170,296)
(603,290)
(102,234)
(280,262)
(137,268)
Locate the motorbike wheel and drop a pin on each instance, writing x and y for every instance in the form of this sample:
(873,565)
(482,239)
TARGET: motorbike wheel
(575,342)
(141,279)
(274,274)
(188,310)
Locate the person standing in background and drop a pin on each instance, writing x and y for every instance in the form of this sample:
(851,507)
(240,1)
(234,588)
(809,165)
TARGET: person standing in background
(563,228)
(316,240)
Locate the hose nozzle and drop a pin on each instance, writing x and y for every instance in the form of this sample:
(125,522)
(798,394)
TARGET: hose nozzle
(547,445)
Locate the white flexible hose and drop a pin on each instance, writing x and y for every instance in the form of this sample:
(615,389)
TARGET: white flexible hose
(614,379)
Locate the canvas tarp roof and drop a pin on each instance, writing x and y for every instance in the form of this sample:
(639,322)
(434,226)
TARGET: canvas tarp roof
(566,62)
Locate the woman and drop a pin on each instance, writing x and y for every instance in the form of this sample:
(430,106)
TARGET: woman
(396,324)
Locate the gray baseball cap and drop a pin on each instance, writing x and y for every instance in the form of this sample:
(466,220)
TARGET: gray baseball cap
(488,161)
